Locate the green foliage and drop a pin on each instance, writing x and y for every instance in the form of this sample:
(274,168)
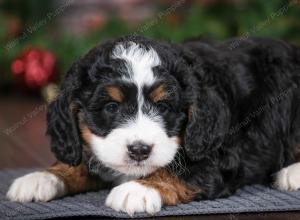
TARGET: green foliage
(276,18)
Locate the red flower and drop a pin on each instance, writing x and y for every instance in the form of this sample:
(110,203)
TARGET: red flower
(34,68)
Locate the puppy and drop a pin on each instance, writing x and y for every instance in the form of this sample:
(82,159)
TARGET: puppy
(170,123)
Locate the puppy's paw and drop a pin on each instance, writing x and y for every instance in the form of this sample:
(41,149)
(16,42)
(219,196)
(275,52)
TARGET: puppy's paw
(288,178)
(37,186)
(134,197)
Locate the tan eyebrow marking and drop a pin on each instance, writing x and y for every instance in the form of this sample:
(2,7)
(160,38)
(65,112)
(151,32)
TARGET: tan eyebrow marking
(158,94)
(115,93)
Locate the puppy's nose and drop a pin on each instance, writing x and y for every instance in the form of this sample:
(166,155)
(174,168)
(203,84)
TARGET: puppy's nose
(139,151)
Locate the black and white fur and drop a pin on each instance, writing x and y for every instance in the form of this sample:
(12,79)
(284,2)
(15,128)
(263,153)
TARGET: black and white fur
(236,112)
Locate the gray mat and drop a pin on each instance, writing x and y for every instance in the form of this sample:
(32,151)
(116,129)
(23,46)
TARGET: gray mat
(249,199)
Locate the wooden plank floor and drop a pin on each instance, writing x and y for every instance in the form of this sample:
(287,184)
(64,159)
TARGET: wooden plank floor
(23,144)
(22,138)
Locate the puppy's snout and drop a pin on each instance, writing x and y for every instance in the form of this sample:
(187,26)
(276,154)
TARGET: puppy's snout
(139,151)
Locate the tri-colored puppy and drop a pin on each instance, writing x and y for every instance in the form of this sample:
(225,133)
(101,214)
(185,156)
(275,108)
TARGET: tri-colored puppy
(167,124)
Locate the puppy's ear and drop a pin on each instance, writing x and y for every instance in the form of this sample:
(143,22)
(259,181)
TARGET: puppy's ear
(62,116)
(63,130)
(208,113)
(208,123)
(62,119)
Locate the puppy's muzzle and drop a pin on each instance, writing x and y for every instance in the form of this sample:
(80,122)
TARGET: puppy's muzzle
(139,151)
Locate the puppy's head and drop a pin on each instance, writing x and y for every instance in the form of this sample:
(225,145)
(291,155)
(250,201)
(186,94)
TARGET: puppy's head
(124,100)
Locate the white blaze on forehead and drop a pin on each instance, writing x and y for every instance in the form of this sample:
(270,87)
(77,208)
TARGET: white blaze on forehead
(139,62)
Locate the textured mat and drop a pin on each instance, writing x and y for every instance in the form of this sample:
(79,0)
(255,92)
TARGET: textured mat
(249,199)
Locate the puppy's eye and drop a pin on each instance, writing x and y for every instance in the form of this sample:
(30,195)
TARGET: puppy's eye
(163,107)
(112,107)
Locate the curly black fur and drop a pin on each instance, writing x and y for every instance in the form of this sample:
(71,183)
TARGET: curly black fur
(239,108)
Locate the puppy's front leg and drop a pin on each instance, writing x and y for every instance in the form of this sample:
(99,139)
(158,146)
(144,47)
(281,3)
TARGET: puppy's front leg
(150,193)
(57,181)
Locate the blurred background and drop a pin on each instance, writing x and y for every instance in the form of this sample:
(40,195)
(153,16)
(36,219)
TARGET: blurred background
(40,39)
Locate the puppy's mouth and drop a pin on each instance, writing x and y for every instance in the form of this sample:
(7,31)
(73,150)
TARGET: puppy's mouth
(135,168)
(133,163)
(137,157)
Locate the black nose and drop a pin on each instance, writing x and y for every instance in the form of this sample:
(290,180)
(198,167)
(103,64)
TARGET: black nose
(139,151)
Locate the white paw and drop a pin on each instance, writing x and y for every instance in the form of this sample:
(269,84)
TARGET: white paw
(288,178)
(37,186)
(134,197)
